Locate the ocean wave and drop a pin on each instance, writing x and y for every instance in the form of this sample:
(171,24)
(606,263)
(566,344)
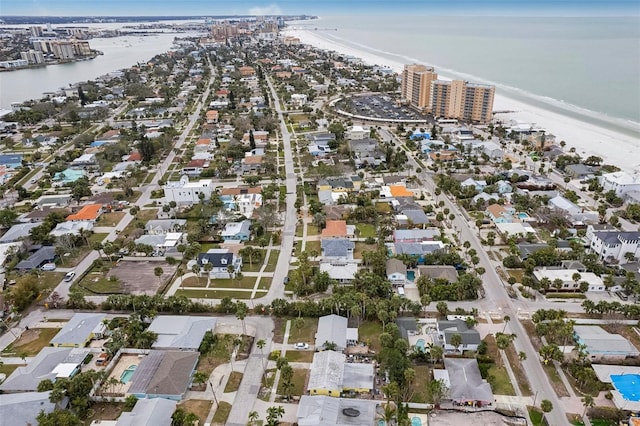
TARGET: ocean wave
(505,88)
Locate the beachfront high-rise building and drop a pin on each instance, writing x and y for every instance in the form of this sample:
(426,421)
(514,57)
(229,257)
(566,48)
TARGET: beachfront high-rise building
(416,85)
(461,100)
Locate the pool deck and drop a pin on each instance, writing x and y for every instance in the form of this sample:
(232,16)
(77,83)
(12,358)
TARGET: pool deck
(426,332)
(124,362)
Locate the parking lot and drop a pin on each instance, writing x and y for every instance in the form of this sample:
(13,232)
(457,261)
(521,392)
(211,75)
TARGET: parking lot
(137,277)
(378,106)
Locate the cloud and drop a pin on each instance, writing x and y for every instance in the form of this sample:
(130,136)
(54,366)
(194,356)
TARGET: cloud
(272,9)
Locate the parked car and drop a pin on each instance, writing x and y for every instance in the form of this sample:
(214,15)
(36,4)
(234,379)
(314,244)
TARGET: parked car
(48,267)
(69,276)
(301,345)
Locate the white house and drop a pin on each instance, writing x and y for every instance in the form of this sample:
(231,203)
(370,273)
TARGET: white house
(396,272)
(614,246)
(298,100)
(561,204)
(620,182)
(567,278)
(185,192)
(356,133)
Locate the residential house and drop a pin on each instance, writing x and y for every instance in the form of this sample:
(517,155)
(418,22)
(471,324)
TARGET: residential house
(164,374)
(9,250)
(22,409)
(602,345)
(447,329)
(616,247)
(504,187)
(42,255)
(419,249)
(165,244)
(40,214)
(61,200)
(298,100)
(465,383)
(341,271)
(85,161)
(337,249)
(439,272)
(415,235)
(366,152)
(185,192)
(500,214)
(396,272)
(561,204)
(326,411)
(566,276)
(11,161)
(478,185)
(335,329)
(337,229)
(224,263)
(50,363)
(619,182)
(356,133)
(331,375)
(579,171)
(80,330)
(20,231)
(212,116)
(89,212)
(252,164)
(164,226)
(72,228)
(180,332)
(148,412)
(395,191)
(237,231)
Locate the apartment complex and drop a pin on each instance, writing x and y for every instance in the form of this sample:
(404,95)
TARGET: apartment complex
(457,99)
(416,85)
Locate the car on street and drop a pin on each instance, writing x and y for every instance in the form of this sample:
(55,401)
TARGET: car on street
(69,276)
(301,345)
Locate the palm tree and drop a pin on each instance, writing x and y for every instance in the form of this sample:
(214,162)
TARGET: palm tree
(506,319)
(158,271)
(588,402)
(261,344)
(274,414)
(253,418)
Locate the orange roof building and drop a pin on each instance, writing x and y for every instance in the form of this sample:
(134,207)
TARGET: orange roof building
(88,212)
(335,228)
(212,116)
(400,191)
(253,159)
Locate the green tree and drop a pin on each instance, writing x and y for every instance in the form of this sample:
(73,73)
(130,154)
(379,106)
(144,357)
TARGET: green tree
(546,405)
(456,341)
(158,271)
(58,418)
(588,402)
(274,414)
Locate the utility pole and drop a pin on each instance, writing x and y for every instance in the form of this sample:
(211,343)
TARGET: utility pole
(214,393)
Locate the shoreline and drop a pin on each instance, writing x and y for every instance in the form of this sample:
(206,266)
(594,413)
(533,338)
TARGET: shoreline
(617,148)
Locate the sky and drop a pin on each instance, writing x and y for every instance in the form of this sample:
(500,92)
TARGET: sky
(318,7)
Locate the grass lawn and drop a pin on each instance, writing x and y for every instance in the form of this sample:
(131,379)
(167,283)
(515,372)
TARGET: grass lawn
(312,230)
(306,333)
(219,354)
(194,282)
(110,219)
(383,208)
(199,407)
(516,273)
(105,411)
(497,375)
(222,413)
(245,282)
(420,394)
(97,238)
(518,371)
(273,260)
(218,294)
(535,415)
(369,332)
(32,341)
(8,368)
(234,382)
(313,246)
(360,247)
(145,215)
(47,280)
(556,381)
(299,379)
(75,256)
(265,283)
(97,282)
(299,356)
(365,230)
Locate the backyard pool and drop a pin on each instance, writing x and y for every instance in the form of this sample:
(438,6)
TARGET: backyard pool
(628,385)
(420,344)
(411,275)
(415,421)
(126,375)
(523,215)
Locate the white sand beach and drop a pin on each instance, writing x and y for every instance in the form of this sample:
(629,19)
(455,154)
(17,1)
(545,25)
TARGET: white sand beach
(588,139)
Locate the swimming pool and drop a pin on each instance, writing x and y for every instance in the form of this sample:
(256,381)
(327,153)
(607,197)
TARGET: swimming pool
(126,375)
(628,385)
(411,275)
(420,344)
(523,215)
(415,421)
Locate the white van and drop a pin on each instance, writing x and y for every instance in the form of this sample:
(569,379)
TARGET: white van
(48,267)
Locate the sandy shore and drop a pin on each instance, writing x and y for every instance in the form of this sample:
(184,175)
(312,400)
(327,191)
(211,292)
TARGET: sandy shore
(615,148)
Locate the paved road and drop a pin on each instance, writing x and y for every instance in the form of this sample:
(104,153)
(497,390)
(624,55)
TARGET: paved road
(496,298)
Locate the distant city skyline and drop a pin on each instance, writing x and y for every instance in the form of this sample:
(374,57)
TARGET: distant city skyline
(318,7)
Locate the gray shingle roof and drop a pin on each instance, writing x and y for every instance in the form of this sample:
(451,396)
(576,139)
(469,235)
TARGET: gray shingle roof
(396,265)
(446,272)
(180,332)
(43,254)
(465,381)
(336,247)
(164,373)
(149,412)
(469,336)
(23,408)
(78,329)
(332,328)
(329,411)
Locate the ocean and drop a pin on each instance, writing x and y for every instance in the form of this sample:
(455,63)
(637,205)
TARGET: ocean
(588,68)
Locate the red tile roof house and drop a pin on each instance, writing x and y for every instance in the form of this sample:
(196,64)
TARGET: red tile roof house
(89,212)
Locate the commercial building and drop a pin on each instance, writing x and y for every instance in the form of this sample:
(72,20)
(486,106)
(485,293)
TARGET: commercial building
(416,85)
